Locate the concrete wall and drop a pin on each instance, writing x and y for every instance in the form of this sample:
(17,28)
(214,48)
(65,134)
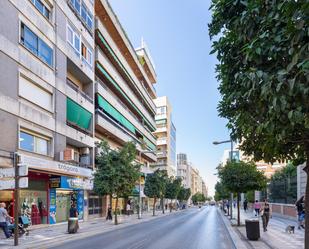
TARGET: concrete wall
(8,15)
(8,131)
(284,210)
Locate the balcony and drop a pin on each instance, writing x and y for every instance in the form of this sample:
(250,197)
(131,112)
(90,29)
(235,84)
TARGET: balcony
(161,154)
(161,141)
(78,92)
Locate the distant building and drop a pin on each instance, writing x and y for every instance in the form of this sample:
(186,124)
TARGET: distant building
(166,137)
(204,189)
(184,170)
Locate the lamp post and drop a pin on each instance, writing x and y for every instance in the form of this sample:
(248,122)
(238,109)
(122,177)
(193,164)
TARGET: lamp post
(231,158)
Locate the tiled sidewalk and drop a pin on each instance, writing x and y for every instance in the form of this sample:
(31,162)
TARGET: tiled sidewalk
(45,235)
(275,237)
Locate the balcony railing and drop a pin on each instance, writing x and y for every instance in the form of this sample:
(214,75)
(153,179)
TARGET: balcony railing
(77,90)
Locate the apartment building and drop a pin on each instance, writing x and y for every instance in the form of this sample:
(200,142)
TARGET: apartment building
(204,189)
(184,169)
(46,103)
(124,89)
(166,137)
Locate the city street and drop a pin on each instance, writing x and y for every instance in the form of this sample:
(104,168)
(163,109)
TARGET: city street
(194,228)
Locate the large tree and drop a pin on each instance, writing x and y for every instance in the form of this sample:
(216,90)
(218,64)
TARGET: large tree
(198,197)
(183,194)
(116,172)
(155,186)
(241,177)
(173,187)
(221,193)
(262,48)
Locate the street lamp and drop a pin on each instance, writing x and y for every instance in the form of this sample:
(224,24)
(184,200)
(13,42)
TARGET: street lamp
(231,158)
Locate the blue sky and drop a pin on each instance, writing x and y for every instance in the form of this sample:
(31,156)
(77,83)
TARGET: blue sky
(176,33)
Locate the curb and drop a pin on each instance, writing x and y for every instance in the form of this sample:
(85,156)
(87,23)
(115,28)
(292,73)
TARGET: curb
(238,242)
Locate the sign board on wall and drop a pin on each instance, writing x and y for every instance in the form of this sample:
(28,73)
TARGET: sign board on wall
(52,206)
(54,166)
(10,183)
(10,172)
(70,183)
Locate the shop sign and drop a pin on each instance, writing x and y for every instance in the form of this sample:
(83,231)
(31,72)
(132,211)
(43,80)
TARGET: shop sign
(54,182)
(10,183)
(54,166)
(76,183)
(10,172)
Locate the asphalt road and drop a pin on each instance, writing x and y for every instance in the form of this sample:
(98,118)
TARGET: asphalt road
(192,229)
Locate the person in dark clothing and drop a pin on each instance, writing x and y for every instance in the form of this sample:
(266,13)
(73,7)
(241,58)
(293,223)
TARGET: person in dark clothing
(245,205)
(266,214)
(109,213)
(300,212)
(73,211)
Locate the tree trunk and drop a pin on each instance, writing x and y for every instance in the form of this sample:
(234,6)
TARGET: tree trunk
(238,209)
(111,202)
(116,211)
(306,169)
(162,204)
(154,206)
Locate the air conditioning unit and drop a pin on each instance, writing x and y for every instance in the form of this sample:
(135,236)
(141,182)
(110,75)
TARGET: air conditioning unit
(69,155)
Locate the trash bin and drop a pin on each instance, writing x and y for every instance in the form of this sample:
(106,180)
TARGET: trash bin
(253,229)
(72,225)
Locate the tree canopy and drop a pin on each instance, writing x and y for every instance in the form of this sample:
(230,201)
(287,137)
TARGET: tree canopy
(172,188)
(221,192)
(116,172)
(241,177)
(198,197)
(184,194)
(263,53)
(155,186)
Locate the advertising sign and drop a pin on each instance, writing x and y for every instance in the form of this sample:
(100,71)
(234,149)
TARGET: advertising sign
(80,204)
(52,206)
(10,172)
(10,183)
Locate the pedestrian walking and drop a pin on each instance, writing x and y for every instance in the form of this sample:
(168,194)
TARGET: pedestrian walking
(234,204)
(128,208)
(300,206)
(245,205)
(109,213)
(4,217)
(257,207)
(265,211)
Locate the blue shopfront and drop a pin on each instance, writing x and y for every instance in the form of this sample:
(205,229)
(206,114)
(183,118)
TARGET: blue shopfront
(64,192)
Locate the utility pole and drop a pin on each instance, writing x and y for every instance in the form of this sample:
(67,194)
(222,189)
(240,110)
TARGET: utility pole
(140,189)
(231,158)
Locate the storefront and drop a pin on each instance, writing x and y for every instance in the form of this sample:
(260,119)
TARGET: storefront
(65,192)
(53,188)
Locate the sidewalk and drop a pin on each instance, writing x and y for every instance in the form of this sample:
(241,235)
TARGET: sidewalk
(43,236)
(275,237)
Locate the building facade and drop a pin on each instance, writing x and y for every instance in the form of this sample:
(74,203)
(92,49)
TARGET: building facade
(184,169)
(166,137)
(47,105)
(69,78)
(124,91)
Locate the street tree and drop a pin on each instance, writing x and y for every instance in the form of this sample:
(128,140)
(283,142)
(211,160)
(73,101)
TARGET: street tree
(173,187)
(116,172)
(263,53)
(221,193)
(198,197)
(183,194)
(155,186)
(240,177)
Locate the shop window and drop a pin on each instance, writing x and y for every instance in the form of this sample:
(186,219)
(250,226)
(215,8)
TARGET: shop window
(30,142)
(36,45)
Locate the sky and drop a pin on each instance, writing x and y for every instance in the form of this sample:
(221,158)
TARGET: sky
(176,34)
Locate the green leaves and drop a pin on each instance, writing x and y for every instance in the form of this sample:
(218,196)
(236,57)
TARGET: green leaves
(263,69)
(116,172)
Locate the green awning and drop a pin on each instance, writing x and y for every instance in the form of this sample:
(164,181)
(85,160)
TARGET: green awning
(78,115)
(115,114)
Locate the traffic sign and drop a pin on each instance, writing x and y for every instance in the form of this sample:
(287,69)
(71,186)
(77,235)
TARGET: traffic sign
(10,184)
(10,172)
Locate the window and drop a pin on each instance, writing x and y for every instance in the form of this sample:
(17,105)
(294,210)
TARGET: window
(35,94)
(161,110)
(30,142)
(87,55)
(73,39)
(36,45)
(41,7)
(83,12)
